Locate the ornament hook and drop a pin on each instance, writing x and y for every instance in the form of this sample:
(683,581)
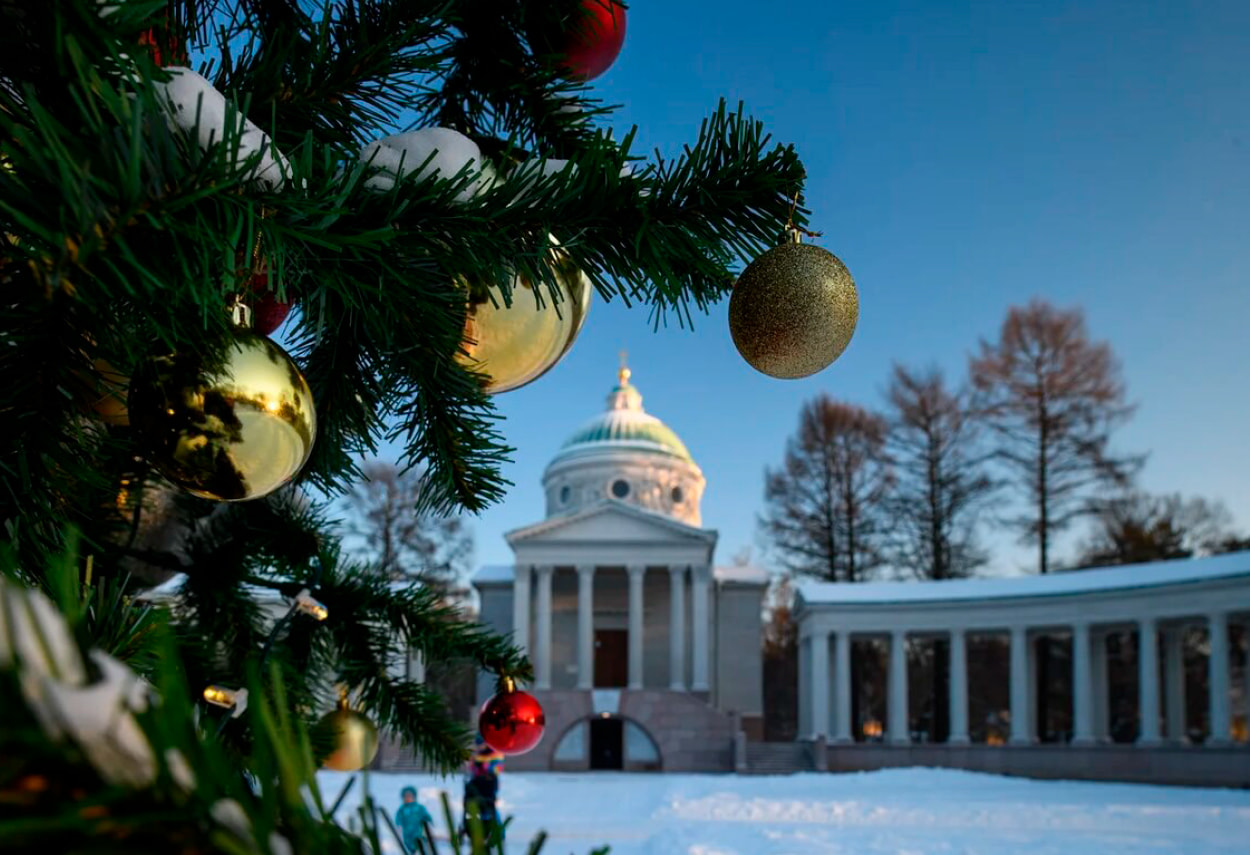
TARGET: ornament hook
(793,233)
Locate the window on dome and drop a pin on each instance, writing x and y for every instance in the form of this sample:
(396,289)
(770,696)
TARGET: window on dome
(566,493)
(620,489)
(677,495)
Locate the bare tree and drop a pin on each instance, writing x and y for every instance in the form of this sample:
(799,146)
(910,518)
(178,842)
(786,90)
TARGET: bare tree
(1052,399)
(941,482)
(403,543)
(824,506)
(1137,527)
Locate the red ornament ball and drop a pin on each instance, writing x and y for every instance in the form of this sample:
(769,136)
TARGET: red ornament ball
(268,312)
(593,42)
(512,722)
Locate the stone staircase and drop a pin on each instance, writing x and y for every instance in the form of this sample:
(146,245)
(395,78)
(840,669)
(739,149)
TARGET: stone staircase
(778,758)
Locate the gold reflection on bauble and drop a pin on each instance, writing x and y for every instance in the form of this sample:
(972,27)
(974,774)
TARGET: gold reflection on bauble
(108,397)
(354,737)
(793,310)
(514,345)
(233,428)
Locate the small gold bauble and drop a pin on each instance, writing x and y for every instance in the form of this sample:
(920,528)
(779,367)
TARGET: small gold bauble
(514,345)
(793,310)
(354,737)
(231,429)
(109,398)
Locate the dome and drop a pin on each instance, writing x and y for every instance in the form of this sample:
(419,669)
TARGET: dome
(625,429)
(626,454)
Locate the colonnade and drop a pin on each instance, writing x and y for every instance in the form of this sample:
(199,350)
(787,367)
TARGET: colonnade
(828,713)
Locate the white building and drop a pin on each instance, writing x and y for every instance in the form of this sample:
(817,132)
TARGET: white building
(646,655)
(1156,603)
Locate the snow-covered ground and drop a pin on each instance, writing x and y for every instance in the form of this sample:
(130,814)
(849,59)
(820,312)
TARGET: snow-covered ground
(900,812)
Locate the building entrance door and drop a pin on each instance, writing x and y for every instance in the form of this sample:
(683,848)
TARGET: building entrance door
(611,658)
(607,743)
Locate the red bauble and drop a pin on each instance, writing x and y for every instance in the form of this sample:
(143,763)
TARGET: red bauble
(594,41)
(165,45)
(268,312)
(512,722)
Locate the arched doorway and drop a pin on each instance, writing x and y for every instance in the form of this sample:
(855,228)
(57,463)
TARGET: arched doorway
(607,742)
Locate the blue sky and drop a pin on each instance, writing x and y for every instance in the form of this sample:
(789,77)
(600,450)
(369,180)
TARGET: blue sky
(962,157)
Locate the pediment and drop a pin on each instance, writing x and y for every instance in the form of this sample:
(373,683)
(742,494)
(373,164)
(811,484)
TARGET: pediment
(611,522)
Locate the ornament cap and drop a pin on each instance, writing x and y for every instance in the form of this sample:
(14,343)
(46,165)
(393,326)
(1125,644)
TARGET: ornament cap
(241,314)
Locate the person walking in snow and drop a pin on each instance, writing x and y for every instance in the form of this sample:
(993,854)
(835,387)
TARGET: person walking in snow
(413,821)
(481,788)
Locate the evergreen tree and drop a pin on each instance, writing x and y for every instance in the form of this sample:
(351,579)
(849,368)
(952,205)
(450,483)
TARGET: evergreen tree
(1137,527)
(138,204)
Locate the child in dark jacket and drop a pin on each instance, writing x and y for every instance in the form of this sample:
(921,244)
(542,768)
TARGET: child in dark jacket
(481,789)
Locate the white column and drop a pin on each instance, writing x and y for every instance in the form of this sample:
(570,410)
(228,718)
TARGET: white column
(805,686)
(1147,682)
(1021,732)
(586,626)
(1098,672)
(677,628)
(1174,683)
(842,690)
(521,608)
(699,616)
(1082,687)
(899,731)
(416,666)
(542,668)
(958,689)
(820,684)
(1217,680)
(636,573)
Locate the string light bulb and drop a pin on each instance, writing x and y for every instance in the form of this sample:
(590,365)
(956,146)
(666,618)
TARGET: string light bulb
(234,700)
(309,605)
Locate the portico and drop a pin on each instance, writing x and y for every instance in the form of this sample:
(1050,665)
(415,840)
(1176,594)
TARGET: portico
(652,588)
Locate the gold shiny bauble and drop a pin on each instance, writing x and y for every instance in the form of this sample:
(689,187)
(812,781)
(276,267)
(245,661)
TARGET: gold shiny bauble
(354,737)
(109,397)
(793,310)
(231,429)
(514,345)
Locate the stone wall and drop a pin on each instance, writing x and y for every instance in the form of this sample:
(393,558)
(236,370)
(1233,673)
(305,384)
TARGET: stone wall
(1200,767)
(691,736)
(739,677)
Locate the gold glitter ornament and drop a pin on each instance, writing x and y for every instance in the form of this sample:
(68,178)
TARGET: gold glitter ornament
(354,737)
(231,429)
(793,310)
(517,344)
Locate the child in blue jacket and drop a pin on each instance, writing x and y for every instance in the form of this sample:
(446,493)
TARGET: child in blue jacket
(413,821)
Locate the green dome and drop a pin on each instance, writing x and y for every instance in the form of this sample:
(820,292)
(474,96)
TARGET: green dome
(624,426)
(628,429)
